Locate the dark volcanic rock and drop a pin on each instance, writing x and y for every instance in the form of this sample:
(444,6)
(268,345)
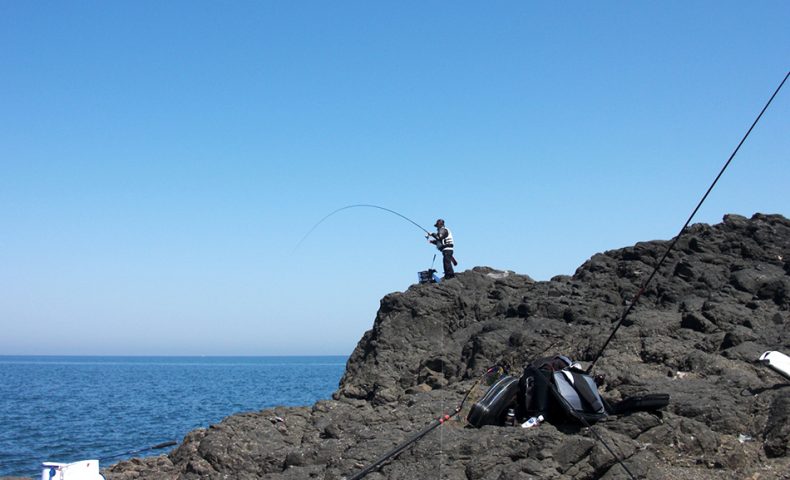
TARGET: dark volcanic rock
(720,300)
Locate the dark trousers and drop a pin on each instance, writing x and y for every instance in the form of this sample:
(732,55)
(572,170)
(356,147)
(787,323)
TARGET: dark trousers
(447,263)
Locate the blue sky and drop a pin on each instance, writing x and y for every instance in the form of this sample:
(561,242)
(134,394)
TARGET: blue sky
(161,160)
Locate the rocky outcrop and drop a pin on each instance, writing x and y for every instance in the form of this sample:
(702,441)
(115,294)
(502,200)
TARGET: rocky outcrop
(720,300)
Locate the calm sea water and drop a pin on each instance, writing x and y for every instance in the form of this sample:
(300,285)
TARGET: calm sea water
(65,409)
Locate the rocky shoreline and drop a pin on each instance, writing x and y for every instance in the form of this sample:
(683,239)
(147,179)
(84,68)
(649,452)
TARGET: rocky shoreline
(721,299)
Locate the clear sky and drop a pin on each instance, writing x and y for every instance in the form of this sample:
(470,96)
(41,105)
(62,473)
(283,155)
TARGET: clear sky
(161,160)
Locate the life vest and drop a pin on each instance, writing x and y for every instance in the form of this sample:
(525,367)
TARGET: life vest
(445,243)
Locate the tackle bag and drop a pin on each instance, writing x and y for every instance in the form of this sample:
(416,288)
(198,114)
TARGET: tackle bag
(490,410)
(557,389)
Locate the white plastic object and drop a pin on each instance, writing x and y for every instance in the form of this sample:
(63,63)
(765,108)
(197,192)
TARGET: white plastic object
(778,362)
(532,422)
(82,470)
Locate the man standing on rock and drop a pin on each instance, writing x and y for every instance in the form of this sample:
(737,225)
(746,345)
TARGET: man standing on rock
(443,239)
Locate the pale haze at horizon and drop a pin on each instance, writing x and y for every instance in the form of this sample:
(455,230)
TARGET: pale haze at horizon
(160,162)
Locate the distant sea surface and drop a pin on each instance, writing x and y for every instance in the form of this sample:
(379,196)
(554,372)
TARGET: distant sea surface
(64,409)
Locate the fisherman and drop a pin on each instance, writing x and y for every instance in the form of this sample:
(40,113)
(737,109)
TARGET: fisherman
(443,239)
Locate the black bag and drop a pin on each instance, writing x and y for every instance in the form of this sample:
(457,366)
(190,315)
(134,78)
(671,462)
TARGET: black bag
(557,389)
(552,387)
(491,409)
(535,388)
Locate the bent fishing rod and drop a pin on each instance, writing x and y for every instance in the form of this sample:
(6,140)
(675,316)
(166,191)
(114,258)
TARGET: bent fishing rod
(359,205)
(642,289)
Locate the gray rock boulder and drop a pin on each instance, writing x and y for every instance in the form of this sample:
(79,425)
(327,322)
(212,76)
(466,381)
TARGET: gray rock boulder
(720,300)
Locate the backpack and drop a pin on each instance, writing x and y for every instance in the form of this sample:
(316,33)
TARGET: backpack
(559,390)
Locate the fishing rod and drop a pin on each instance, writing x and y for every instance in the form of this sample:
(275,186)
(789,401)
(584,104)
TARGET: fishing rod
(446,417)
(158,446)
(359,205)
(403,446)
(677,237)
(437,422)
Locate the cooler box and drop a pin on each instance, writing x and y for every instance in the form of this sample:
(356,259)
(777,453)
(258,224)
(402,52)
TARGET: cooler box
(84,470)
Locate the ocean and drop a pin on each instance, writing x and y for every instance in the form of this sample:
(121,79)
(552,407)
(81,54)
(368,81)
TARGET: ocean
(69,408)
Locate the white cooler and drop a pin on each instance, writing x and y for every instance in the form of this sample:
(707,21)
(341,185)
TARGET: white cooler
(83,470)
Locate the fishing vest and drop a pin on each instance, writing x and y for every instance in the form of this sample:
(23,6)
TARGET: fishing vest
(447,242)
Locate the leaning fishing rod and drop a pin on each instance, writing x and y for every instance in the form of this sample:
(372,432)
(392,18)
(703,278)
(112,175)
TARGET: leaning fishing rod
(437,422)
(677,237)
(359,205)
(403,446)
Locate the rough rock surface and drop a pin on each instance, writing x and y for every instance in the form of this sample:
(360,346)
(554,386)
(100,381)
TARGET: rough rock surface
(721,299)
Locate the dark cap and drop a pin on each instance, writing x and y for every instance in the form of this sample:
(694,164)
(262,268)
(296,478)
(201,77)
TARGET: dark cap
(438,222)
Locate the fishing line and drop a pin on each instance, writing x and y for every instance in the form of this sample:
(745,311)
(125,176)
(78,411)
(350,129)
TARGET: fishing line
(365,205)
(677,237)
(441,397)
